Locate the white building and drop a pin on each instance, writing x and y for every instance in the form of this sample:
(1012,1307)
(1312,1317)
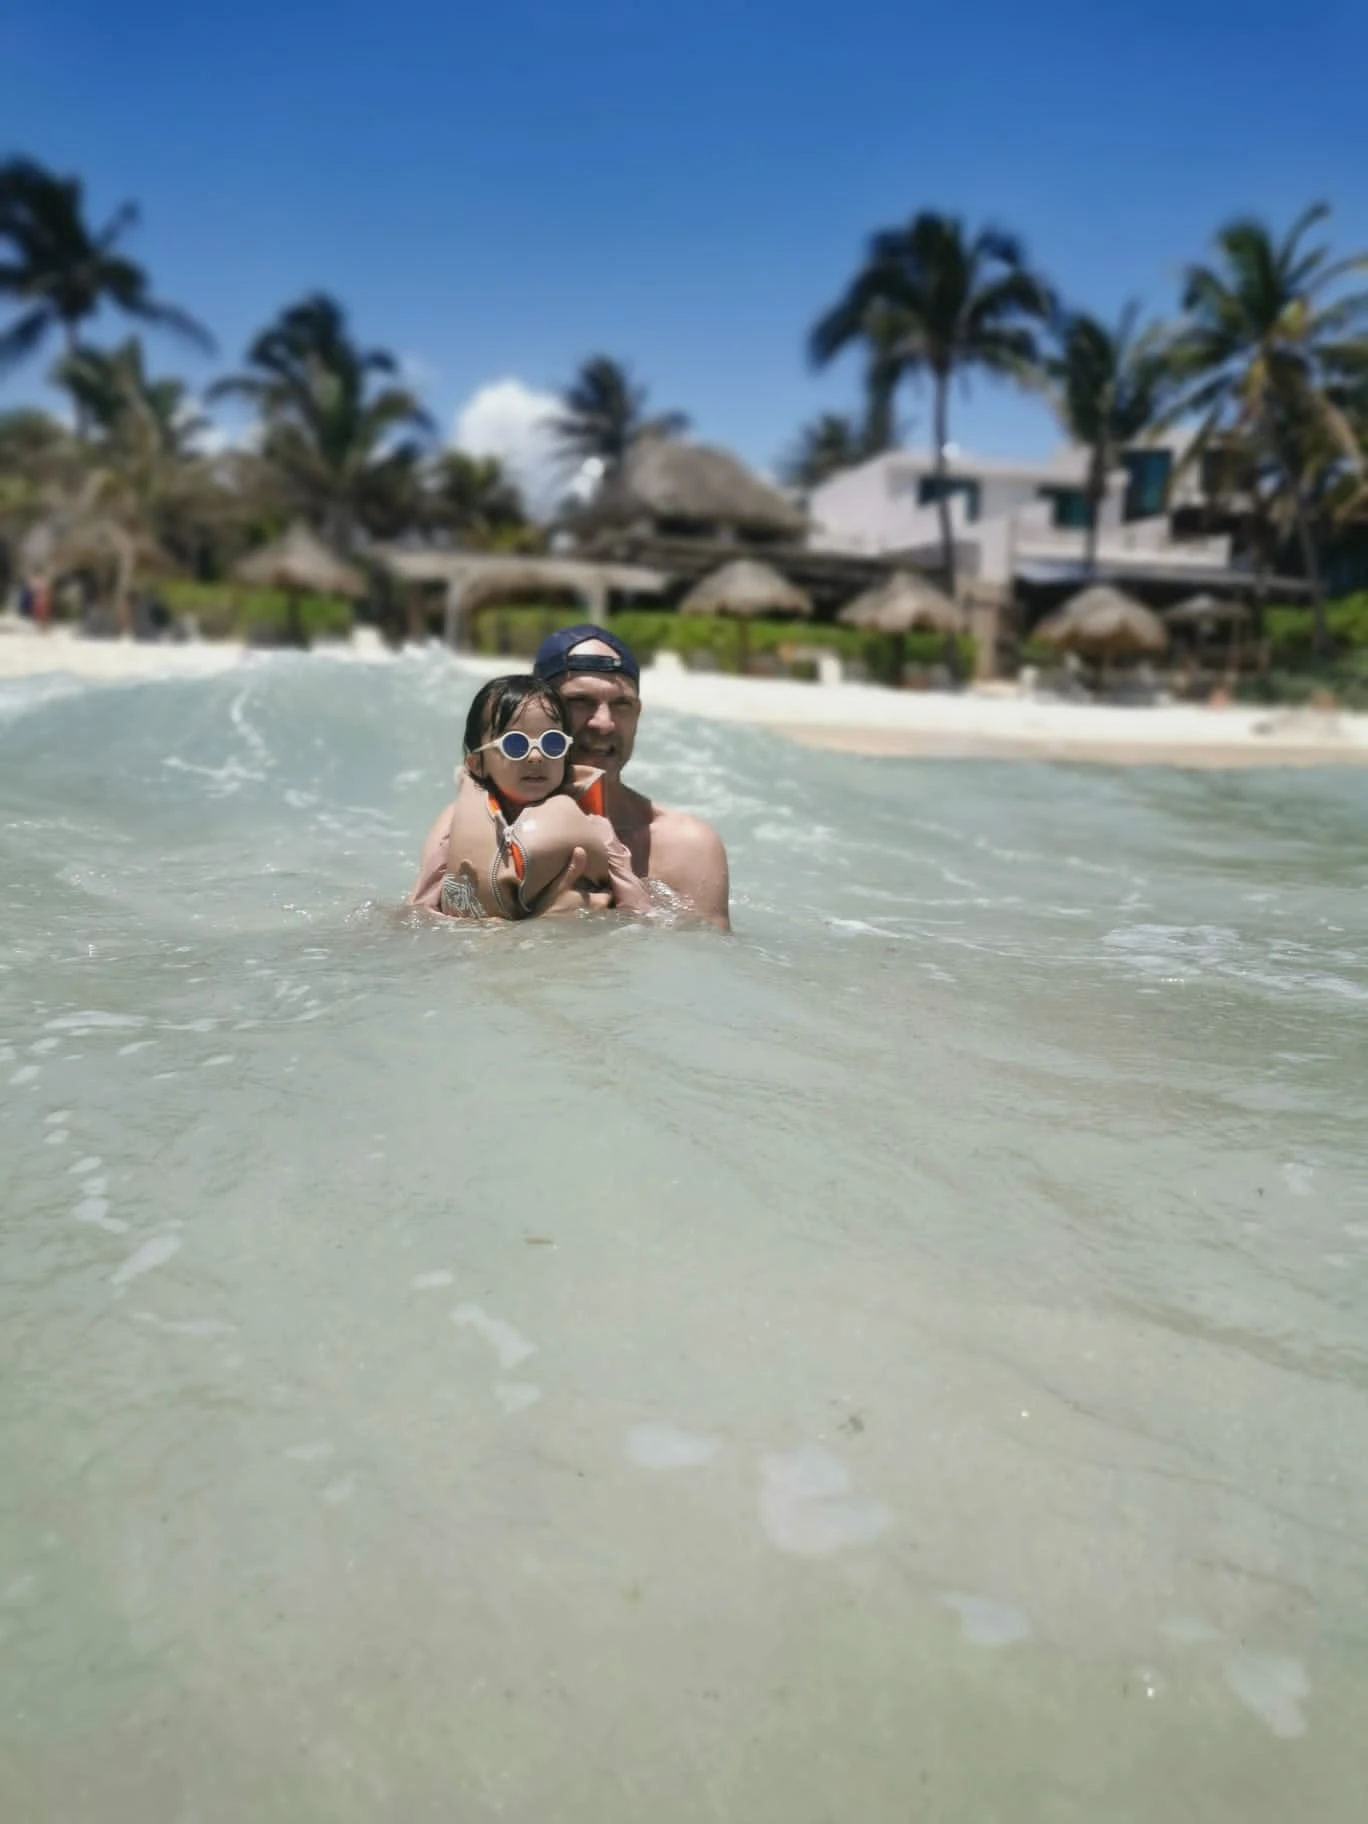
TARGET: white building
(1021,520)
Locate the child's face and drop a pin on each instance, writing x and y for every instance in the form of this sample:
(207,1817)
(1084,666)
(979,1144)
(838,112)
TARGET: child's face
(530,780)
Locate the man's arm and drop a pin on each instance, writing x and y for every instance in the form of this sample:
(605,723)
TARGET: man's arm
(687,854)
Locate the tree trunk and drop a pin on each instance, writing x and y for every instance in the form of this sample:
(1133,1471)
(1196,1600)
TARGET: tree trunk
(69,331)
(743,646)
(124,563)
(942,410)
(1320,631)
(1097,493)
(878,425)
(415,614)
(295,630)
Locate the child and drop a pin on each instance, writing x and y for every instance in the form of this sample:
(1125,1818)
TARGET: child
(526,836)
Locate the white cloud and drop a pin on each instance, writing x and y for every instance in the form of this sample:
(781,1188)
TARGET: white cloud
(511,420)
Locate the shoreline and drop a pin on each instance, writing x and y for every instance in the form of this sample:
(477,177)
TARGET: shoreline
(857,719)
(929,744)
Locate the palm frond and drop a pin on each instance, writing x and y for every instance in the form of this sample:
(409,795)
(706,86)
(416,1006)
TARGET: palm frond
(172,317)
(24,336)
(125,217)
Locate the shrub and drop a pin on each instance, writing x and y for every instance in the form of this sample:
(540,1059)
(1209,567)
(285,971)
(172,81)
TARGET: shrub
(223,612)
(519,631)
(1288,630)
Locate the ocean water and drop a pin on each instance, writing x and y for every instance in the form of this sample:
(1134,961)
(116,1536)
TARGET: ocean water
(906,1361)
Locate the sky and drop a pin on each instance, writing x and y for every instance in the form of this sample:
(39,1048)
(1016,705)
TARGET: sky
(496,192)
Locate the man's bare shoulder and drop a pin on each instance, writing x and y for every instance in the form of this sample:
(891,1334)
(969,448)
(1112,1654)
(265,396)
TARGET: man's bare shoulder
(684,828)
(689,856)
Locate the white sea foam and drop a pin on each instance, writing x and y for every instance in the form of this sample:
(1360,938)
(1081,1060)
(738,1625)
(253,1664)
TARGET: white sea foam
(1274,1686)
(95,1212)
(516,1396)
(985,1622)
(509,1347)
(93,1021)
(806,1506)
(659,1446)
(317,1450)
(151,1255)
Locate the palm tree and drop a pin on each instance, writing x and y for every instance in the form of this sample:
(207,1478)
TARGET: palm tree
(885,365)
(335,439)
(475,499)
(1269,344)
(34,449)
(1110,387)
(120,403)
(144,434)
(939,304)
(605,413)
(60,271)
(823,447)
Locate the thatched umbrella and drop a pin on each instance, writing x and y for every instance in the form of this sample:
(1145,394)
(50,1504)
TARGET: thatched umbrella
(1103,623)
(79,532)
(300,564)
(1204,613)
(1207,611)
(746,590)
(902,605)
(905,604)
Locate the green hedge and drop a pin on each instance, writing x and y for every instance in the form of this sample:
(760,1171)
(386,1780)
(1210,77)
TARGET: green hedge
(1288,630)
(224,611)
(1345,679)
(519,631)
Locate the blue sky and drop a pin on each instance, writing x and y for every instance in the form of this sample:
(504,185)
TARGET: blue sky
(496,192)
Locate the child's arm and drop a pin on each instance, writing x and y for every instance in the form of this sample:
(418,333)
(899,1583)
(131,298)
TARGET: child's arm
(552,846)
(556,844)
(560,844)
(427,889)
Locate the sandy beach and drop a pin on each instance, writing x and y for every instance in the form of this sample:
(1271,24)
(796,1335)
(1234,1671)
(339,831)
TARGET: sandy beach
(851,718)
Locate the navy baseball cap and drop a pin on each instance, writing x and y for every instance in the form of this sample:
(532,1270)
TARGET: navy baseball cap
(554,658)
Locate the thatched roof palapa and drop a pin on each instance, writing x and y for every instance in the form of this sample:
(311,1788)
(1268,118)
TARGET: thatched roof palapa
(302,564)
(664,478)
(904,604)
(1206,610)
(483,576)
(1104,622)
(748,589)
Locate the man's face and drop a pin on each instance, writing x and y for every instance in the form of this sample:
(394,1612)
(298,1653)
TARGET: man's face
(604,710)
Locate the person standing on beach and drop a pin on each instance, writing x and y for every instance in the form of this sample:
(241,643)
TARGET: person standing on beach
(42,602)
(598,678)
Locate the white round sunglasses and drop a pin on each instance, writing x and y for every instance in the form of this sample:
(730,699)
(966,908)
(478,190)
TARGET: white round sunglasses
(551,744)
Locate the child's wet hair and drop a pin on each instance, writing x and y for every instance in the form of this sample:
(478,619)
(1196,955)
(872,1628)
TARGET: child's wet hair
(499,703)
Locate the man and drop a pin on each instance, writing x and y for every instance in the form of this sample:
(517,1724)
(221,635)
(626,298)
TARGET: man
(600,680)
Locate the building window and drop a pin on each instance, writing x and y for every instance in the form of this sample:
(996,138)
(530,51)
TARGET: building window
(1147,482)
(929,492)
(1069,508)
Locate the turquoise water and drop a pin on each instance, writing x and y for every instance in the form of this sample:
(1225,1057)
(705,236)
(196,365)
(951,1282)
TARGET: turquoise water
(907,1361)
